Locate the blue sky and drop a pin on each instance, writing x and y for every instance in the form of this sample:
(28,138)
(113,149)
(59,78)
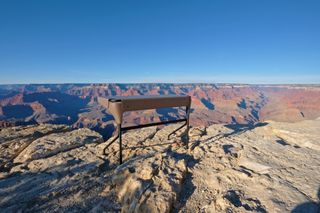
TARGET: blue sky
(55,41)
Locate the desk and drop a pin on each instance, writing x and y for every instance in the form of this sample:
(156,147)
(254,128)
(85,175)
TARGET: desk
(118,105)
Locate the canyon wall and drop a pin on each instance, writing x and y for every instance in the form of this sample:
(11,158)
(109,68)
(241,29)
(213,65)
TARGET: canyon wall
(82,105)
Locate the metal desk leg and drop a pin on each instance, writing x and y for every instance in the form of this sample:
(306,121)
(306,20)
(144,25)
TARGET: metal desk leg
(176,130)
(114,139)
(120,144)
(188,125)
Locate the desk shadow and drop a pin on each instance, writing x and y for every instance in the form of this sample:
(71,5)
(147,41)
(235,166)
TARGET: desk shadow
(308,207)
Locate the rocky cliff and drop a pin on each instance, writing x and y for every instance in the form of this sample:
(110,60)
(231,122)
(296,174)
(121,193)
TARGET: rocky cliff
(267,167)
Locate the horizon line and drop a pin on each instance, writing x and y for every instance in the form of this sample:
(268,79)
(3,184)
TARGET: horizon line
(178,83)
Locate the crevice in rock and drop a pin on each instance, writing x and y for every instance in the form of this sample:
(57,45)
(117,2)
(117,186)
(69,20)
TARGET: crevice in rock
(187,187)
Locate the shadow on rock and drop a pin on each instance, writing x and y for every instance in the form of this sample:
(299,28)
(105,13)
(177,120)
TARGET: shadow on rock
(308,207)
(238,199)
(186,192)
(237,129)
(240,128)
(188,187)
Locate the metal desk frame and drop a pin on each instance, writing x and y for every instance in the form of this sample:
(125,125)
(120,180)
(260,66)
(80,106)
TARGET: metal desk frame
(120,129)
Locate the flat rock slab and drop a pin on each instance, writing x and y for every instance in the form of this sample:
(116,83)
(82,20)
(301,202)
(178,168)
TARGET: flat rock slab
(33,131)
(254,166)
(54,143)
(15,139)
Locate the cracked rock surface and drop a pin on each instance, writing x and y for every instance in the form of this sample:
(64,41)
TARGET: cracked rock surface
(268,167)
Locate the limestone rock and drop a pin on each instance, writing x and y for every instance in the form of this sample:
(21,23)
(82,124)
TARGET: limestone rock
(54,143)
(149,184)
(254,166)
(198,131)
(257,168)
(15,139)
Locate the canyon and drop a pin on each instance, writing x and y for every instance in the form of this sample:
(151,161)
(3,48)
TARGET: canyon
(83,105)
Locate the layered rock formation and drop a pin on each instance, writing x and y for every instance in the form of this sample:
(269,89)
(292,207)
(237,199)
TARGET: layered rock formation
(267,167)
(83,105)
